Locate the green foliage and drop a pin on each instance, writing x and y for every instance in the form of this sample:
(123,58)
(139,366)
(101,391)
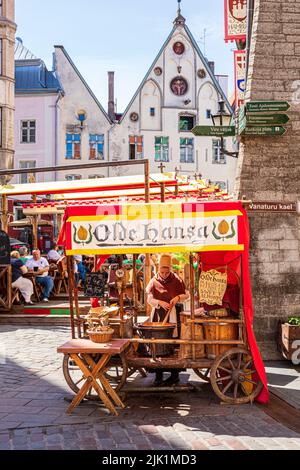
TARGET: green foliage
(294,321)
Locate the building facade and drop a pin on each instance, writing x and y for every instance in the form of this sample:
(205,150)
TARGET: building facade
(7,84)
(38,93)
(179,91)
(84,125)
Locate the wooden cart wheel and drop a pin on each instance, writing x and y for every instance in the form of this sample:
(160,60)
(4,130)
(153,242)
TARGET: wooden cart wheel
(234,378)
(116,373)
(204,374)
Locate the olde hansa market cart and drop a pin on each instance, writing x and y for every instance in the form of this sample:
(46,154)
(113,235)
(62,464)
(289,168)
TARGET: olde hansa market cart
(217,340)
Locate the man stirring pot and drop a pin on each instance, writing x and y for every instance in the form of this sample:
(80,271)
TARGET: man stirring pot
(165,291)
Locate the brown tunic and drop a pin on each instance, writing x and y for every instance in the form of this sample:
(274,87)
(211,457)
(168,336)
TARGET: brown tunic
(166,289)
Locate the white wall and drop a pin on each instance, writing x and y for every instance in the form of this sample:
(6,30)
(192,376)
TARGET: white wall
(77,97)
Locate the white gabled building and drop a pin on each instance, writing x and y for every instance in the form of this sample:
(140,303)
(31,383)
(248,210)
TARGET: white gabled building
(179,91)
(84,125)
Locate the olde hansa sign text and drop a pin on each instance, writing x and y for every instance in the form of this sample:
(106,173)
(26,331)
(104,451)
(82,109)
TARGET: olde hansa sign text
(150,228)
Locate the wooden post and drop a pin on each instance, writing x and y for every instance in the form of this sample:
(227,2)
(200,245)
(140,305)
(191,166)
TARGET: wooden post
(9,287)
(192,296)
(162,192)
(147,181)
(59,222)
(70,291)
(242,327)
(34,226)
(134,287)
(147,264)
(4,217)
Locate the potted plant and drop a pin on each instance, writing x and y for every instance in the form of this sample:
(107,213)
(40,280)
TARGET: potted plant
(288,334)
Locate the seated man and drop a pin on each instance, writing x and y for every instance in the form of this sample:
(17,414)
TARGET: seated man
(41,266)
(53,255)
(24,285)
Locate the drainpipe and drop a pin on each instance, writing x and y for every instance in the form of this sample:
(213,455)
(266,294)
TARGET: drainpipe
(250,14)
(60,96)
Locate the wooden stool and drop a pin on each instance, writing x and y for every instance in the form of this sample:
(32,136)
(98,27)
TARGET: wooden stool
(94,371)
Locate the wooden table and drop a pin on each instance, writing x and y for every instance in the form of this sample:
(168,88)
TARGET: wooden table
(80,349)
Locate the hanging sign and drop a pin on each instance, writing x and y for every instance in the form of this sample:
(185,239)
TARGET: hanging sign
(235,19)
(153,228)
(239,77)
(212,287)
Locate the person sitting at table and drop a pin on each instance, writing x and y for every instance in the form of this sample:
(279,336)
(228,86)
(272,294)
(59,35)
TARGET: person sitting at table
(53,255)
(165,291)
(24,285)
(40,265)
(24,254)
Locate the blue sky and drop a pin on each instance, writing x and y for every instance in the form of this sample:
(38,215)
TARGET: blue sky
(120,35)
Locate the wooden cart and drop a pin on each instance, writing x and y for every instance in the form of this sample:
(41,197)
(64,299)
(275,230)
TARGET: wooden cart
(219,228)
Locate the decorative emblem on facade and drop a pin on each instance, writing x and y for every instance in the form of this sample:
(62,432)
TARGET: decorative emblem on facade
(134,117)
(82,235)
(201,73)
(158,71)
(179,86)
(178,48)
(223,229)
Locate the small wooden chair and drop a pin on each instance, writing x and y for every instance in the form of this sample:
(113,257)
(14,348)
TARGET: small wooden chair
(60,279)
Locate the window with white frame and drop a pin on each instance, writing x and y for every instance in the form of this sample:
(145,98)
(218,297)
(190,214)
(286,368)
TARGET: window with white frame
(28,132)
(73,146)
(217,156)
(161,149)
(24,178)
(73,177)
(96,147)
(186,150)
(135,147)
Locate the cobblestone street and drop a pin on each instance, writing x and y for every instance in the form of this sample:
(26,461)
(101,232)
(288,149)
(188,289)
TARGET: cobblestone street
(33,405)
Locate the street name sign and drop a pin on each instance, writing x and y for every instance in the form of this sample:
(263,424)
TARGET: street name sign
(267,206)
(265,130)
(264,120)
(267,106)
(217,131)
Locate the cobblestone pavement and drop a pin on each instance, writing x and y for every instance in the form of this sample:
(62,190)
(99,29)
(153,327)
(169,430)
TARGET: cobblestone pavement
(33,404)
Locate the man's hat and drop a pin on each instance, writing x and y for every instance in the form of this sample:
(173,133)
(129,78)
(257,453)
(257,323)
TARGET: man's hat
(165,261)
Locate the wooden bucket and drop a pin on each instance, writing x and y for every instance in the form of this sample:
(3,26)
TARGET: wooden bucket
(222,332)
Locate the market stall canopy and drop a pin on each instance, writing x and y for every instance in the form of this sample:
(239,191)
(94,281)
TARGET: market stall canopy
(90,185)
(27,222)
(150,228)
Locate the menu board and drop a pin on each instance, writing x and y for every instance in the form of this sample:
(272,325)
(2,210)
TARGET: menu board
(212,287)
(95,284)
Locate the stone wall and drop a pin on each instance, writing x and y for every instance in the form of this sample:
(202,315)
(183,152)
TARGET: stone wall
(269,169)
(7,80)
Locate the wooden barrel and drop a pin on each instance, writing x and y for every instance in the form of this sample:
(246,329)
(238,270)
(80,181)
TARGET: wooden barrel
(185,350)
(220,331)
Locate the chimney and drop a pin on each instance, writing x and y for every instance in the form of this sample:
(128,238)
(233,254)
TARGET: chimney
(211,65)
(111,95)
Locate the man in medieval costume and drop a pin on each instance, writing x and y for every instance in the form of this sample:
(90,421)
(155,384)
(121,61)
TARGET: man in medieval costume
(165,291)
